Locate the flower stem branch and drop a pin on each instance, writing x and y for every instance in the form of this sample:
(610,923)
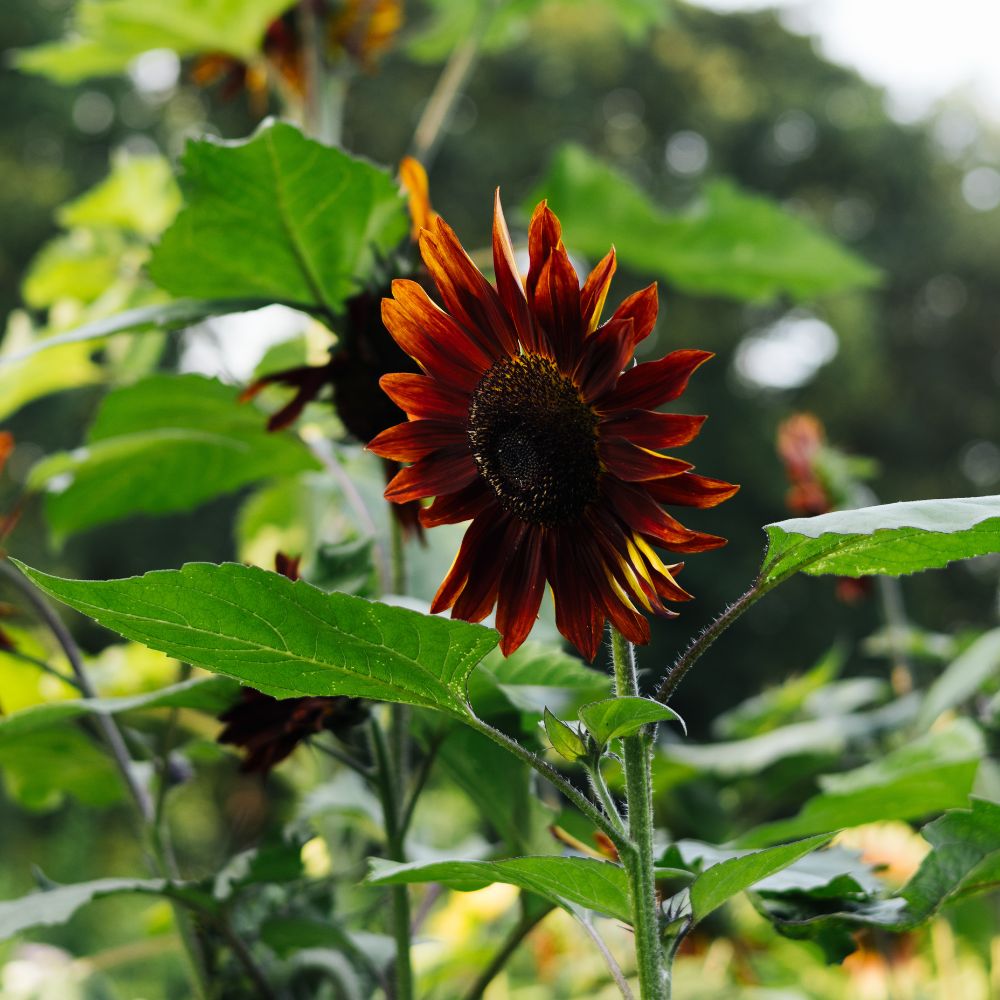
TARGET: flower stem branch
(637,756)
(694,652)
(389,794)
(604,795)
(613,967)
(525,925)
(43,666)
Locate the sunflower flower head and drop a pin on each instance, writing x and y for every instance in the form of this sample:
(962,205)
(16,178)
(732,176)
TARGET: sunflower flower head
(524,420)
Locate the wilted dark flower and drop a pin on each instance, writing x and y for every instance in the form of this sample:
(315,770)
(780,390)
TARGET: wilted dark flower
(524,422)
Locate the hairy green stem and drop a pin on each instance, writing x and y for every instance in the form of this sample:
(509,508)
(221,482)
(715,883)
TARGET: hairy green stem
(694,652)
(637,757)
(525,925)
(389,795)
(604,794)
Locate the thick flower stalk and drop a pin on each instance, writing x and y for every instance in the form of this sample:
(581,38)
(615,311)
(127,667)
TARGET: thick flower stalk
(528,420)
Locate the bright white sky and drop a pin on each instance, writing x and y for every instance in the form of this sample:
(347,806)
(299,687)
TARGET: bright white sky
(921,50)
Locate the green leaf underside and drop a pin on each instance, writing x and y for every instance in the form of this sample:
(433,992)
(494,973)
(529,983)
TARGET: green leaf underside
(56,906)
(173,315)
(732,243)
(206,694)
(568,882)
(963,677)
(612,718)
(108,34)
(929,775)
(728,878)
(316,216)
(565,740)
(288,639)
(890,540)
(164,444)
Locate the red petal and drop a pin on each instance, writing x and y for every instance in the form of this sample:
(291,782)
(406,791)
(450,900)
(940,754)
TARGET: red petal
(653,383)
(509,283)
(641,307)
(476,537)
(605,354)
(634,464)
(640,512)
(544,236)
(629,622)
(466,294)
(410,441)
(436,343)
(690,490)
(422,396)
(578,617)
(522,584)
(453,508)
(443,472)
(595,291)
(496,549)
(556,304)
(649,429)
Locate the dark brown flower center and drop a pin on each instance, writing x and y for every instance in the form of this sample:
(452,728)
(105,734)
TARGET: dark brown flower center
(535,440)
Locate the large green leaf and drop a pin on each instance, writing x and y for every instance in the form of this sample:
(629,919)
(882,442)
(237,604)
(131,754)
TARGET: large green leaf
(106,35)
(57,905)
(731,243)
(166,443)
(568,882)
(929,775)
(728,878)
(278,216)
(962,678)
(286,638)
(612,718)
(889,540)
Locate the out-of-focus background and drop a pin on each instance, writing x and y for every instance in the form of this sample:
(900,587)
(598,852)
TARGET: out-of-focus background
(879,123)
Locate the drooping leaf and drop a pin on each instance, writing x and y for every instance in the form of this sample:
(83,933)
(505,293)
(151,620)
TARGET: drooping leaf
(929,775)
(728,878)
(277,216)
(286,638)
(889,540)
(568,882)
(166,443)
(565,740)
(106,35)
(612,718)
(962,678)
(730,242)
(56,906)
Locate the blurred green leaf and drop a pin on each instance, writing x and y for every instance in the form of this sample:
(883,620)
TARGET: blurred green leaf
(286,638)
(318,217)
(67,367)
(568,882)
(565,740)
(57,905)
(962,678)
(106,35)
(79,265)
(729,242)
(728,878)
(139,195)
(166,443)
(612,718)
(889,540)
(929,775)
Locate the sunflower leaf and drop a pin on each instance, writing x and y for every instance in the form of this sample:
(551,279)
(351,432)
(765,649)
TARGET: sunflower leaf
(108,34)
(287,639)
(889,540)
(164,444)
(612,718)
(569,882)
(730,243)
(317,216)
(565,740)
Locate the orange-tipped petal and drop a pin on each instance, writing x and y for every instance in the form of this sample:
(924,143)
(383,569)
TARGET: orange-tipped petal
(418,438)
(595,291)
(509,284)
(649,429)
(631,463)
(641,307)
(413,178)
(653,383)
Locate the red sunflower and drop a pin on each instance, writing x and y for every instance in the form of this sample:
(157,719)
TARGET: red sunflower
(525,421)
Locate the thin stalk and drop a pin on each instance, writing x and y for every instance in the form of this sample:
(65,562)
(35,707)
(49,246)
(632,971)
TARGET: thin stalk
(389,796)
(694,652)
(637,754)
(344,758)
(419,781)
(604,795)
(245,957)
(525,925)
(326,91)
(448,89)
(43,666)
(613,967)
(547,771)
